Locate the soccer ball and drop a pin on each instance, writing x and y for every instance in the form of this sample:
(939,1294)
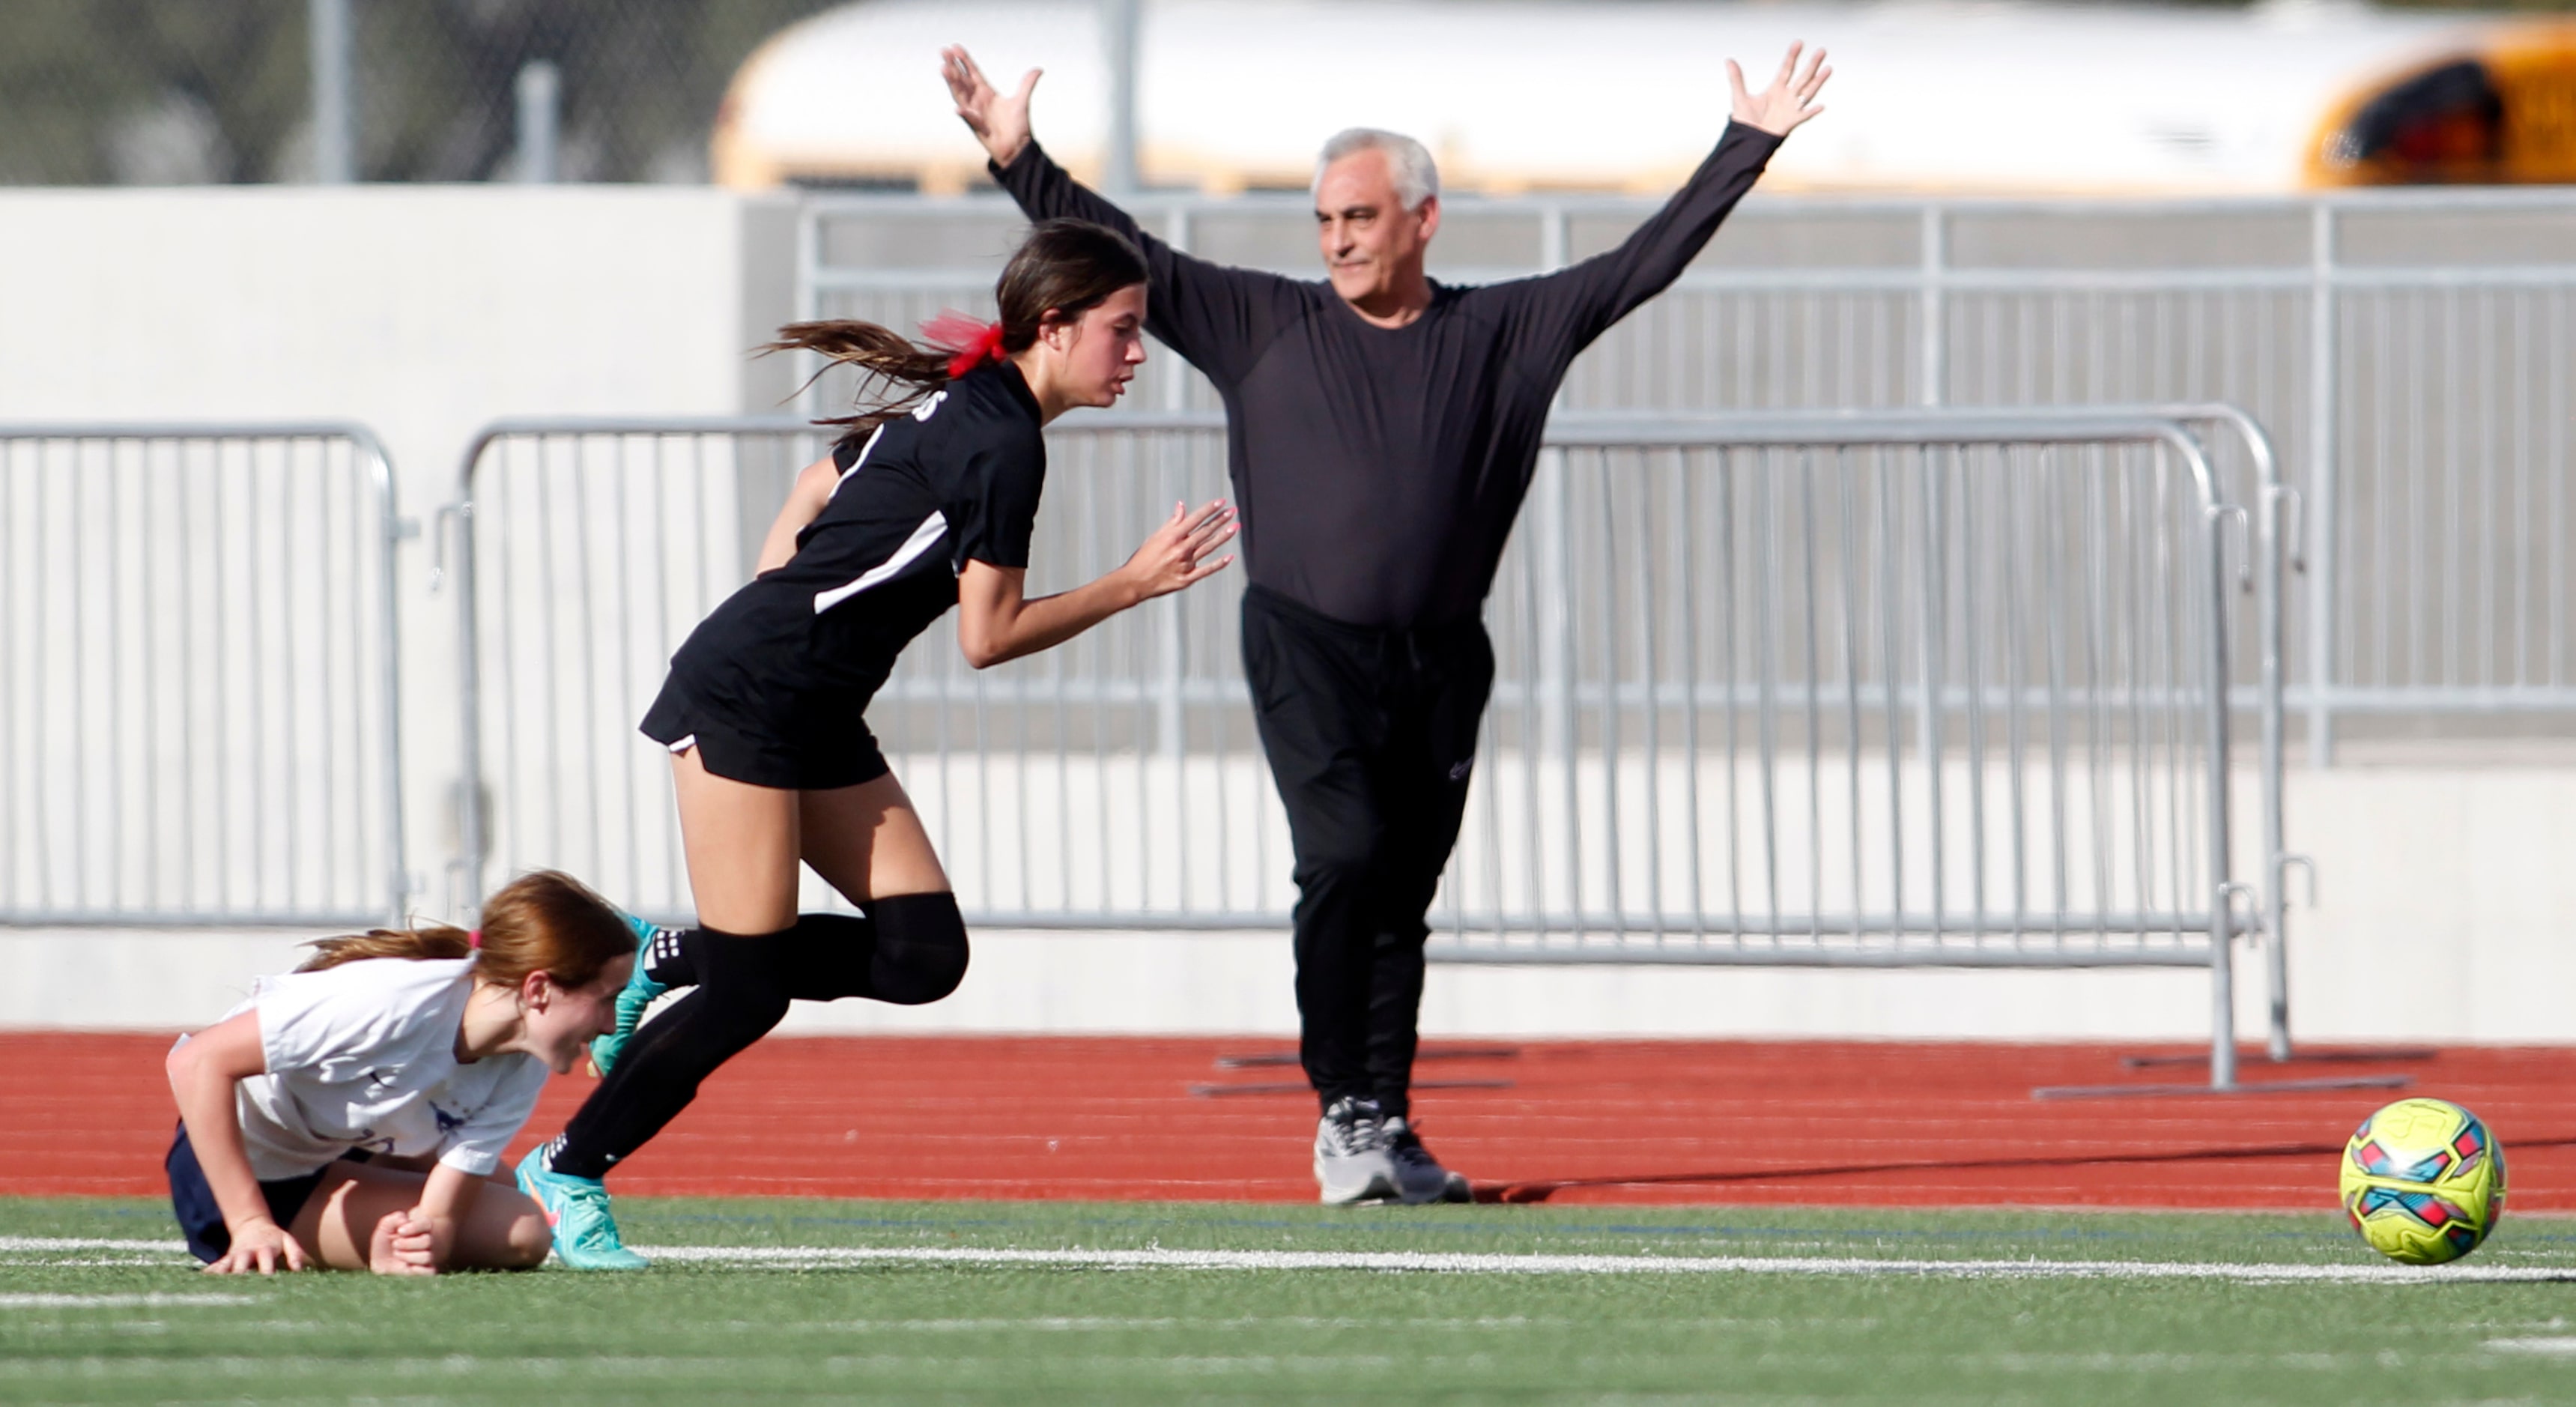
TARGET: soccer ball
(2423,1181)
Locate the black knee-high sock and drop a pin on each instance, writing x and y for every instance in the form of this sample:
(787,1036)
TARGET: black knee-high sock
(666,958)
(740,997)
(909,949)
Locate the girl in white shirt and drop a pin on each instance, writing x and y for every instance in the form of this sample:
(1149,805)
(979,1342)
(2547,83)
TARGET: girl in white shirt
(352,1113)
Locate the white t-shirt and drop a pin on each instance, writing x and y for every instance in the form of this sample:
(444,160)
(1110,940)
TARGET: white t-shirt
(363,1055)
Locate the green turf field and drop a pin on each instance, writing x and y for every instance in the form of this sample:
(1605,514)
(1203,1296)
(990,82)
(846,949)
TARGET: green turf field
(922,1302)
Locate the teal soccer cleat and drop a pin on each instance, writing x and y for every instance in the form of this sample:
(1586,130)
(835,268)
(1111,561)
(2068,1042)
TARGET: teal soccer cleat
(640,992)
(577,1210)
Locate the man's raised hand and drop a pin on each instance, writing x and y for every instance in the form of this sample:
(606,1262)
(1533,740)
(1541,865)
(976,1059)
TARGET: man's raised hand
(1000,123)
(1778,109)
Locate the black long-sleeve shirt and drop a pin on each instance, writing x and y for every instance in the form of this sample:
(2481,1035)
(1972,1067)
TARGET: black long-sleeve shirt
(1377,470)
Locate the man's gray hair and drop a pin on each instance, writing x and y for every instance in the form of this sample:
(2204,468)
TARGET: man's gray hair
(1416,178)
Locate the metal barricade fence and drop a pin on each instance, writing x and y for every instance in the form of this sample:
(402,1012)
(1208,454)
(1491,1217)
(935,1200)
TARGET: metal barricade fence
(199,684)
(2248,470)
(1913,689)
(584,551)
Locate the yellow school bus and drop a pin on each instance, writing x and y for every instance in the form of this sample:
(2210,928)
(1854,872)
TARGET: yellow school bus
(2500,113)
(1998,97)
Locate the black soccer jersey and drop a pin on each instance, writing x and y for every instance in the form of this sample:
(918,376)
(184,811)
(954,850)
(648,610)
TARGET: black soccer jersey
(1378,470)
(791,659)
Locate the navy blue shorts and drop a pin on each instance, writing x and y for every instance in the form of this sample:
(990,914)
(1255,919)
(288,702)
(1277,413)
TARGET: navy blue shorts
(203,1221)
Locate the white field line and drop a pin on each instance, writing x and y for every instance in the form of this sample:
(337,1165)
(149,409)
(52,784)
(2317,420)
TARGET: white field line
(118,1301)
(1474,1264)
(84,1243)
(1462,1263)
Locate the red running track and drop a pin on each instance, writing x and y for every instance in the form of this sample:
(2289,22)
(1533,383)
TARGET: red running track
(1808,1122)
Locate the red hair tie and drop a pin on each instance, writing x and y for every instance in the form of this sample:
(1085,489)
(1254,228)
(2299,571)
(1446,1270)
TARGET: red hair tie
(474,938)
(973,340)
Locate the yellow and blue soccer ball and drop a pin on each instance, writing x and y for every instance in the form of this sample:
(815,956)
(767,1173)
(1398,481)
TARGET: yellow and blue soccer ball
(2423,1181)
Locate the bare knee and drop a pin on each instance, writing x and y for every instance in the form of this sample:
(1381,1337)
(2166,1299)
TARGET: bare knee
(525,1244)
(508,1231)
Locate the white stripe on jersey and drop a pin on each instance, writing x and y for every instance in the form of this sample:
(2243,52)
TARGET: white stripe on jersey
(922,540)
(855,463)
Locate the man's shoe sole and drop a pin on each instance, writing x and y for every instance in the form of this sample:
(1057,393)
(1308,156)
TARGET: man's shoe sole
(1379,1191)
(1376,1194)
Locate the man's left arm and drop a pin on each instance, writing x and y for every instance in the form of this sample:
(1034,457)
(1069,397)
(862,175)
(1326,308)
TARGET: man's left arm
(1584,300)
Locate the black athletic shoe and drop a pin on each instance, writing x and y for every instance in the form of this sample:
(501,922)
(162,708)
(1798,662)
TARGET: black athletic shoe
(1419,1178)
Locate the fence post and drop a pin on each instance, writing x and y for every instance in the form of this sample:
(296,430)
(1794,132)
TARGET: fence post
(809,303)
(2223,888)
(471,840)
(2325,371)
(388,620)
(335,109)
(2272,554)
(1552,532)
(1935,313)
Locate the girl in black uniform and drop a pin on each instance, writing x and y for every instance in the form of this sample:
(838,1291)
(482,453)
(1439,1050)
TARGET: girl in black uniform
(926,502)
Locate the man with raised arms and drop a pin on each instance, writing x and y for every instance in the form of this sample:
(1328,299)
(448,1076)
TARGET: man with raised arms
(1381,432)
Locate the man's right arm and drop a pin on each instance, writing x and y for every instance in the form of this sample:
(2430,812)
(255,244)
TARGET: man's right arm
(1214,316)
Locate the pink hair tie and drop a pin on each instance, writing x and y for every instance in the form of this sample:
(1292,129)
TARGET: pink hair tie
(474,938)
(973,340)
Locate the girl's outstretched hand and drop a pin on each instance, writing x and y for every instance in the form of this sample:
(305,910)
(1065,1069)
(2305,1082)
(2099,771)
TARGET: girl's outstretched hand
(1176,555)
(262,1246)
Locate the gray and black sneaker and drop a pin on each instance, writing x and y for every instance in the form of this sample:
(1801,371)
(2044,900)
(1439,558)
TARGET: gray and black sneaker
(1351,1164)
(1419,1178)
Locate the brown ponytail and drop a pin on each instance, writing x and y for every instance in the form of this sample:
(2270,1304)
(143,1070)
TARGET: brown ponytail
(543,921)
(1064,267)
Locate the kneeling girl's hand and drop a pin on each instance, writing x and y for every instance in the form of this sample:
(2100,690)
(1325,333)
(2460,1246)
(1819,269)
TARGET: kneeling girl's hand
(259,1245)
(410,1243)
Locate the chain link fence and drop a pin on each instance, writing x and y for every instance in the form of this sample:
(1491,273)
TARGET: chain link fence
(186,92)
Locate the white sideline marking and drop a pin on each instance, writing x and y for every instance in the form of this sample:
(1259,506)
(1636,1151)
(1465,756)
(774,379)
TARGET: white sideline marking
(116,1301)
(1468,1263)
(2559,1347)
(84,1243)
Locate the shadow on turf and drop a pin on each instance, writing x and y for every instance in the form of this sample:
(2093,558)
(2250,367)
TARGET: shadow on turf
(1541,1190)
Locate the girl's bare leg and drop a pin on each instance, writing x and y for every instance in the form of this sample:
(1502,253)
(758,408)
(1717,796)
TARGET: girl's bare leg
(741,842)
(503,1230)
(867,842)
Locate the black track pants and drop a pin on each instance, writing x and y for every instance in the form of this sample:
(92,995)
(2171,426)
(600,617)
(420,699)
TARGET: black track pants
(1371,736)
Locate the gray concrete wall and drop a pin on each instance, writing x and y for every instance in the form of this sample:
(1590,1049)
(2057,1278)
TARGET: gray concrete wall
(424,312)
(2444,913)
